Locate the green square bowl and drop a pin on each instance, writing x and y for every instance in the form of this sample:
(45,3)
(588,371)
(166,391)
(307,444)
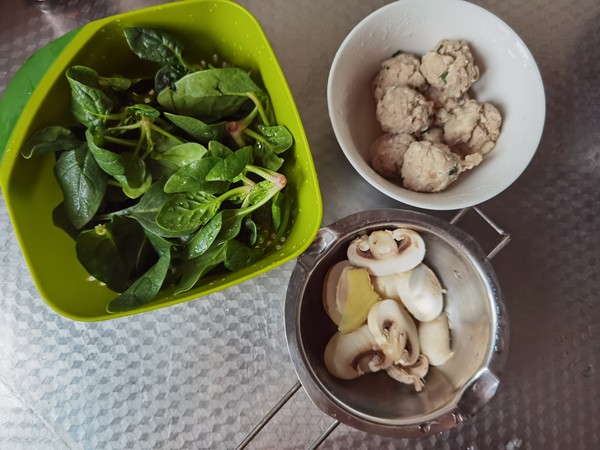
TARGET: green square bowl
(205,27)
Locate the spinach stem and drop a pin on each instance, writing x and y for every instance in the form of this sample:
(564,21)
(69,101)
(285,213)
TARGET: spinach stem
(247,180)
(125,127)
(259,106)
(126,142)
(253,134)
(245,190)
(267,174)
(248,209)
(139,143)
(246,121)
(238,138)
(148,127)
(159,130)
(114,116)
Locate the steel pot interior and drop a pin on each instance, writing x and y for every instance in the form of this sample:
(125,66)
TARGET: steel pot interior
(376,402)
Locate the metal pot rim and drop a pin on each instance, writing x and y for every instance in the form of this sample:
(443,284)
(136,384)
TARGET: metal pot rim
(471,397)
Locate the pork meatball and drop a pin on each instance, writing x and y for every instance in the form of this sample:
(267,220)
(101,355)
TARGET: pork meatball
(401,70)
(473,128)
(433,134)
(443,104)
(386,154)
(450,67)
(431,167)
(404,110)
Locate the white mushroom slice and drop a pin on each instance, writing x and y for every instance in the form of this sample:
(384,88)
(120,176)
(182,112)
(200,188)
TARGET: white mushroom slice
(350,355)
(411,375)
(419,290)
(331,302)
(389,324)
(434,337)
(385,252)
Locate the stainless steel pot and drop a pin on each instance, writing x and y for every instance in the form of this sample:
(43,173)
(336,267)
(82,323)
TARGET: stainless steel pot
(376,403)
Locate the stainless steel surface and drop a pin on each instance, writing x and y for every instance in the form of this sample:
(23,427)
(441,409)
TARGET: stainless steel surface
(473,302)
(203,374)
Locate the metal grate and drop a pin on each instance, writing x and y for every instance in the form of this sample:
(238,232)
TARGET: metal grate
(504,240)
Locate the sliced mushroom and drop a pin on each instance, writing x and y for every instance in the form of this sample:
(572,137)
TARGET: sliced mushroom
(419,290)
(389,325)
(385,252)
(434,337)
(411,375)
(350,355)
(333,308)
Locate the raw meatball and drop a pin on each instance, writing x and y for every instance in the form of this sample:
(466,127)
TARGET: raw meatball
(443,104)
(386,154)
(433,134)
(404,110)
(401,70)
(430,167)
(473,128)
(450,67)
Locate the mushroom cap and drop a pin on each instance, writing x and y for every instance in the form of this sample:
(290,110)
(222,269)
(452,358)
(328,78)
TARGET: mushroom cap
(434,338)
(330,298)
(419,290)
(350,355)
(385,252)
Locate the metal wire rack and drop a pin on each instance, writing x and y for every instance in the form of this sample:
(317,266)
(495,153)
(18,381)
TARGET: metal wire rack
(504,240)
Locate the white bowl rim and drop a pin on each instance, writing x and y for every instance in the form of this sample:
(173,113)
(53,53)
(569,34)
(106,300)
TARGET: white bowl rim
(396,191)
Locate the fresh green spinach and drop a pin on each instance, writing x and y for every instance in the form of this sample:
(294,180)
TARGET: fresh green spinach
(176,176)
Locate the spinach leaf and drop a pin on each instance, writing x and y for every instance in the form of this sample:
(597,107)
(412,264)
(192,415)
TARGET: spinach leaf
(266,157)
(250,225)
(83,184)
(141,110)
(127,168)
(232,167)
(216,148)
(276,209)
(198,129)
(203,239)
(260,191)
(183,154)
(194,269)
(50,139)
(277,138)
(167,76)
(89,104)
(192,177)
(145,288)
(155,45)
(238,255)
(108,252)
(187,212)
(210,93)
(231,224)
(148,207)
(115,82)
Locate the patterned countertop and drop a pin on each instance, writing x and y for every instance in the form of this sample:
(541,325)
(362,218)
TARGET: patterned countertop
(203,373)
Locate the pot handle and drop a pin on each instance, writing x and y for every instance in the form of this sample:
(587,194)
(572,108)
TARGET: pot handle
(324,239)
(478,393)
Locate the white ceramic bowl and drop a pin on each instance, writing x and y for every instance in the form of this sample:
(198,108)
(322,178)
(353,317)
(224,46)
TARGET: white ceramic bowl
(509,79)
